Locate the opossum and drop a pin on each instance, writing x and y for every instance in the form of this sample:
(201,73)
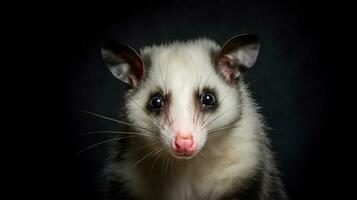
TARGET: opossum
(193,130)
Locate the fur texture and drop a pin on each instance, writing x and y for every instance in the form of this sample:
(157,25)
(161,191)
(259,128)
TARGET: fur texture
(234,159)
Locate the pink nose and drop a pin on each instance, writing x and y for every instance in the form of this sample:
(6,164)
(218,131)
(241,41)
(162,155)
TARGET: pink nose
(184,143)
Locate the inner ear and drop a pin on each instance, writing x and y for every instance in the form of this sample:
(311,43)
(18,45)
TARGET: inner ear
(123,62)
(237,55)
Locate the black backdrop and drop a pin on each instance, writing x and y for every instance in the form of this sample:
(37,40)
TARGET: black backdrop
(291,81)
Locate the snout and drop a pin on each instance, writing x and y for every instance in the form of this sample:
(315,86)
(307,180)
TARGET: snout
(184,145)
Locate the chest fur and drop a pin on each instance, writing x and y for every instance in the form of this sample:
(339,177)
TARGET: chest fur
(210,178)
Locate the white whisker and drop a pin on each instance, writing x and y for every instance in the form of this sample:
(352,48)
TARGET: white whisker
(157,157)
(226,111)
(146,156)
(118,121)
(103,142)
(117,132)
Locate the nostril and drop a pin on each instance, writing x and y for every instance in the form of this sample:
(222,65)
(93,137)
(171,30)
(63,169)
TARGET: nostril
(177,145)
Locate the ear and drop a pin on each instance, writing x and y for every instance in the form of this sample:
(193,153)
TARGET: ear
(237,55)
(124,63)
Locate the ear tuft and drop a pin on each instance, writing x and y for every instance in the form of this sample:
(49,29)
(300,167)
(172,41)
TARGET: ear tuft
(237,55)
(124,62)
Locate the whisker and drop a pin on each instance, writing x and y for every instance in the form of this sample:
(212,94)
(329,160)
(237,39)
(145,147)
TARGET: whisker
(200,153)
(117,121)
(227,127)
(170,161)
(156,122)
(144,146)
(229,109)
(167,164)
(223,126)
(146,156)
(116,132)
(157,157)
(105,117)
(152,119)
(103,142)
(224,98)
(219,130)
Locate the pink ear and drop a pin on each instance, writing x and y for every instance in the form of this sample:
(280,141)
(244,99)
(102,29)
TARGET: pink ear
(237,55)
(124,63)
(227,69)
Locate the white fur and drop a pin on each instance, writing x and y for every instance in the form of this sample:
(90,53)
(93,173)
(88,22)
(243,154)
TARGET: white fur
(225,159)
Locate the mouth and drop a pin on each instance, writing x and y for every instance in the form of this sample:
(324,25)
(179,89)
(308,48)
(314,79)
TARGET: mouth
(183,156)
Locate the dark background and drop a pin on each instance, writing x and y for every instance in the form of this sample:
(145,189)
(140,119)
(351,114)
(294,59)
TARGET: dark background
(292,82)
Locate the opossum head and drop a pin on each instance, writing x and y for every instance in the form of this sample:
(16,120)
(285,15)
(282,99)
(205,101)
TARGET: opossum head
(183,92)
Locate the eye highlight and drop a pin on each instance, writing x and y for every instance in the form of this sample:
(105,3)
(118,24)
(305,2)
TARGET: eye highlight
(156,102)
(208,99)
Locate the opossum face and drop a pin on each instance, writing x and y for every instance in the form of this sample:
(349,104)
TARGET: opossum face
(182,93)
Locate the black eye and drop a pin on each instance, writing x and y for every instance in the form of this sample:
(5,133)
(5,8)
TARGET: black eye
(208,99)
(156,102)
